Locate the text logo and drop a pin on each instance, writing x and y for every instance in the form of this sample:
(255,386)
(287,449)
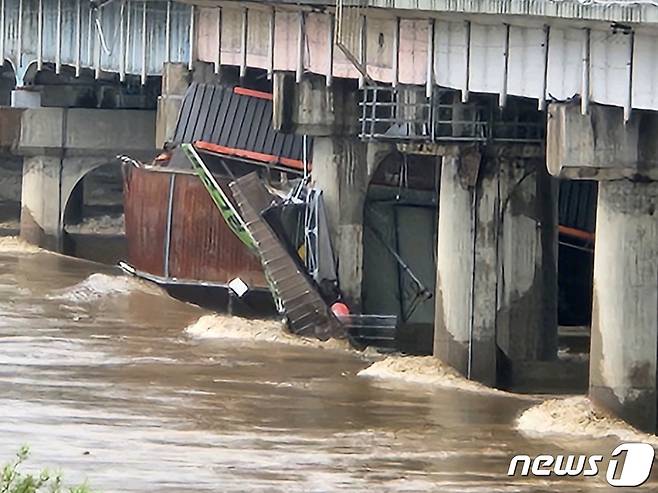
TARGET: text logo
(630,465)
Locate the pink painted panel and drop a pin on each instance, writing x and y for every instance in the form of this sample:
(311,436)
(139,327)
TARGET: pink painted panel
(413,51)
(286,40)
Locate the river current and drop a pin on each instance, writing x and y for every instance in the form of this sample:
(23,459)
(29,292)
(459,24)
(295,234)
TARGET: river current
(99,378)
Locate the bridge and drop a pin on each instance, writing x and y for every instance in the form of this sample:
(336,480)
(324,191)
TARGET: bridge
(492,99)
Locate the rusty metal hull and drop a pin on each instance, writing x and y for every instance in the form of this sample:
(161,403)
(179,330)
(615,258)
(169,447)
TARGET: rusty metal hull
(177,238)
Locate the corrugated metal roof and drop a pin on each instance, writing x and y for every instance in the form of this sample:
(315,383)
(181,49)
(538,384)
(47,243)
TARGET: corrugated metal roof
(220,116)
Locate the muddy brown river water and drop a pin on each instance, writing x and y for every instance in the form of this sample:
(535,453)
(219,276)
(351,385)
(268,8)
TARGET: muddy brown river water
(99,378)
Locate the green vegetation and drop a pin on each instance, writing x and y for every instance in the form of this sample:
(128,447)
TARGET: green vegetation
(14,481)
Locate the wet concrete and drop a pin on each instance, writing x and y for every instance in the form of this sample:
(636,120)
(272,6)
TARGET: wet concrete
(101,381)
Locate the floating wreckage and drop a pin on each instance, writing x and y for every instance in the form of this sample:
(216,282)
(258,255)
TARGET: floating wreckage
(226,218)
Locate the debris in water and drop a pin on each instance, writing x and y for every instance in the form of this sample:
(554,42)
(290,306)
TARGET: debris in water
(13,244)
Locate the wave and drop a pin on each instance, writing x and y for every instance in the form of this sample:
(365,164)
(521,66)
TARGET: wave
(425,370)
(577,416)
(101,225)
(217,326)
(13,244)
(98,286)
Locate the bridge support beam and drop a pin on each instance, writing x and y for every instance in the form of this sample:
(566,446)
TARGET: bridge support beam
(175,80)
(496,289)
(623,158)
(60,146)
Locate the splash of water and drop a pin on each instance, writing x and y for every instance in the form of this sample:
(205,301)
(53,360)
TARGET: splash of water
(577,416)
(14,245)
(98,286)
(227,327)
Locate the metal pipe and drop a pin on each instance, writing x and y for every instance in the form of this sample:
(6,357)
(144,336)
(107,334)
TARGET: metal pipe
(544,86)
(58,41)
(144,61)
(19,40)
(628,106)
(584,96)
(167,238)
(218,60)
(78,37)
(128,29)
(168,33)
(299,72)
(40,36)
(190,62)
(243,42)
(270,50)
(90,38)
(330,69)
(396,53)
(97,44)
(502,97)
(429,85)
(467,62)
(122,44)
(2,32)
(363,55)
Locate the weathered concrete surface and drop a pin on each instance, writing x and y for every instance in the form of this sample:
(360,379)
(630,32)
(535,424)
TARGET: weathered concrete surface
(600,146)
(312,108)
(175,81)
(496,290)
(340,171)
(624,343)
(60,146)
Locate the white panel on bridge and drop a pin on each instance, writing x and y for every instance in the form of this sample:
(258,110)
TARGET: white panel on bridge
(609,54)
(450,54)
(645,72)
(565,48)
(526,62)
(285,41)
(487,58)
(257,38)
(380,48)
(413,52)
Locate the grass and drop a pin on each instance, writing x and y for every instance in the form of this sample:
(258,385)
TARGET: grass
(12,480)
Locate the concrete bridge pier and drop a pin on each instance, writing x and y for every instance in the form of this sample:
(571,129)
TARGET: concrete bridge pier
(623,158)
(496,289)
(59,147)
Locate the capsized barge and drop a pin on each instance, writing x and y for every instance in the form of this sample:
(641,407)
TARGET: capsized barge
(176,236)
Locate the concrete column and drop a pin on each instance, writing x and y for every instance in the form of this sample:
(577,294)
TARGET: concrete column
(624,340)
(40,202)
(496,289)
(175,81)
(340,171)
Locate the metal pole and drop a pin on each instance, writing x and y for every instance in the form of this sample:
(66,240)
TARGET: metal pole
(19,41)
(78,37)
(128,32)
(299,73)
(167,238)
(218,60)
(396,53)
(58,42)
(430,59)
(190,63)
(144,43)
(330,41)
(363,56)
(2,32)
(502,97)
(270,53)
(168,33)
(467,62)
(243,42)
(584,97)
(40,36)
(544,86)
(122,44)
(90,38)
(628,107)
(97,43)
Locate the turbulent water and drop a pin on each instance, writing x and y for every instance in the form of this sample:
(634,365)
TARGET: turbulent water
(99,377)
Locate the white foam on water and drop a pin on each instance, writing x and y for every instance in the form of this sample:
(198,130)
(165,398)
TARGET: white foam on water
(424,370)
(227,327)
(577,416)
(14,245)
(98,286)
(101,225)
